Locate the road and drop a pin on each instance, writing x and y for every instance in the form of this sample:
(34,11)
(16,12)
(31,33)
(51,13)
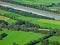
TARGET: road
(33,11)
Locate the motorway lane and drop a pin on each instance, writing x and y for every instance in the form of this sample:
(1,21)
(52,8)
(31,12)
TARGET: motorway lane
(33,11)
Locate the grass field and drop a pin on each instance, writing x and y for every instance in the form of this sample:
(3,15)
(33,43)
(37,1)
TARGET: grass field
(4,18)
(55,38)
(19,37)
(24,37)
(10,21)
(52,39)
(37,2)
(52,8)
(46,23)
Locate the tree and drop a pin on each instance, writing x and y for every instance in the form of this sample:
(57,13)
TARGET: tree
(3,35)
(14,43)
(45,42)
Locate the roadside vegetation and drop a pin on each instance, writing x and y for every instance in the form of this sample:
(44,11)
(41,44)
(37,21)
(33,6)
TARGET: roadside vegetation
(22,28)
(48,6)
(32,20)
(44,23)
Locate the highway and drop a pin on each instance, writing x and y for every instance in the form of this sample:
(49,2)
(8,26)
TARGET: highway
(56,17)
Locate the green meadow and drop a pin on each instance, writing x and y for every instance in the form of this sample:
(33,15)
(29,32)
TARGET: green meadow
(20,37)
(40,2)
(37,2)
(45,23)
(10,21)
(52,39)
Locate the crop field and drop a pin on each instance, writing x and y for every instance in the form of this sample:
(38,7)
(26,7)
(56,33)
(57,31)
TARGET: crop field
(19,6)
(19,37)
(21,29)
(22,37)
(54,38)
(17,34)
(4,18)
(10,21)
(37,2)
(46,23)
(41,2)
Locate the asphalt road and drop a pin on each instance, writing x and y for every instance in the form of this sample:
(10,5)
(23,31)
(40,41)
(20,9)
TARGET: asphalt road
(33,11)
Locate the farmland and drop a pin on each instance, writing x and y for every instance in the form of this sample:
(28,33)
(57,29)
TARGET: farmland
(41,2)
(41,22)
(22,39)
(10,21)
(25,28)
(35,2)
(54,38)
(45,23)
(24,7)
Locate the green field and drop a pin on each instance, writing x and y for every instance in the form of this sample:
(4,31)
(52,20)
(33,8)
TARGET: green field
(52,39)
(45,23)
(55,38)
(19,37)
(10,21)
(35,2)
(17,34)
(22,37)
(40,2)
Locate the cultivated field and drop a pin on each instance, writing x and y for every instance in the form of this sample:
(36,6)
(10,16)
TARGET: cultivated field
(45,23)
(55,4)
(10,21)
(20,37)
(52,39)
(35,2)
